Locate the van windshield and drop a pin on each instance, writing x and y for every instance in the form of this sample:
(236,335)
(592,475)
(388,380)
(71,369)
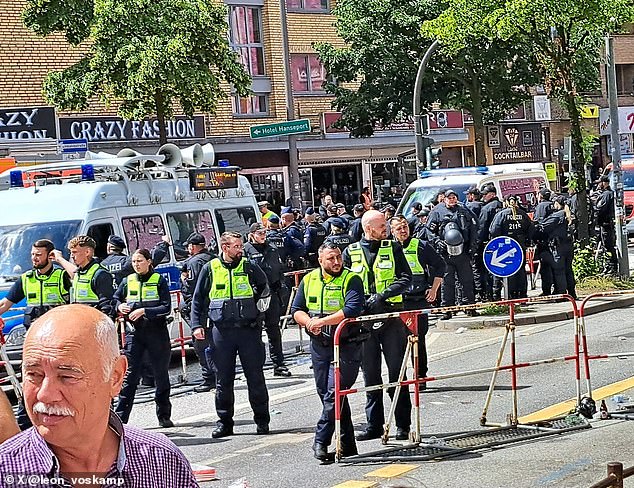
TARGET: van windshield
(427,194)
(16,242)
(235,219)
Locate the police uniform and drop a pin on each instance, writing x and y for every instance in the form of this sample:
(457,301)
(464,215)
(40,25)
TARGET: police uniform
(458,266)
(604,207)
(192,266)
(294,244)
(267,257)
(119,265)
(514,223)
(487,214)
(150,292)
(319,297)
(92,285)
(559,234)
(425,265)
(314,236)
(542,210)
(42,292)
(385,275)
(226,295)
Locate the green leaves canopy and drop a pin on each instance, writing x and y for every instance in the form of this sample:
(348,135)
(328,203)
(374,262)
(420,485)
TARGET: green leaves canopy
(148,55)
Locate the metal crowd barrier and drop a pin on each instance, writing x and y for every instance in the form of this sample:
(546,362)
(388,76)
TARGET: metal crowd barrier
(616,475)
(4,361)
(409,319)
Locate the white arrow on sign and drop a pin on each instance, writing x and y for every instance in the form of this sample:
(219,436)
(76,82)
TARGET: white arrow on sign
(498,260)
(256,131)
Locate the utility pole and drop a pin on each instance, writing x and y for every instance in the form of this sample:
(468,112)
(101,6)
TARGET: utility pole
(293,163)
(421,142)
(621,230)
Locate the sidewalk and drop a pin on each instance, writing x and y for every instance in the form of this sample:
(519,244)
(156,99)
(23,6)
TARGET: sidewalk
(536,313)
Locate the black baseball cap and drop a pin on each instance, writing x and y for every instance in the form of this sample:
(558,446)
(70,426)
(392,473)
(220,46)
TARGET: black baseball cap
(196,238)
(489,189)
(116,241)
(256,227)
(451,192)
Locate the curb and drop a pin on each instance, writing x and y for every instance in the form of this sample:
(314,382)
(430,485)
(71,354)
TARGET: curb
(561,311)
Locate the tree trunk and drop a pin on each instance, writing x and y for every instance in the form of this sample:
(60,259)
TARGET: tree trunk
(579,167)
(478,123)
(160,116)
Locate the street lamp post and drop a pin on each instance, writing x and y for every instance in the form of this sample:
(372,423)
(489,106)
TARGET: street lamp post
(421,142)
(621,230)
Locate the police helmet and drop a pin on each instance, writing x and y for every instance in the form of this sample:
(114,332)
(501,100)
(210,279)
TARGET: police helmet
(453,238)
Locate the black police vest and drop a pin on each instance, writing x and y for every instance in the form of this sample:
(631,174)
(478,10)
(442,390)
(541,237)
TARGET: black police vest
(340,240)
(318,234)
(276,238)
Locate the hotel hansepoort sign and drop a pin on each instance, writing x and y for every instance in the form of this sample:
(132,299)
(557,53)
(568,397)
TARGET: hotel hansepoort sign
(109,129)
(519,144)
(27,124)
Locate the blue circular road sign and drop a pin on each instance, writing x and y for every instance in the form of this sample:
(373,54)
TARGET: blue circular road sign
(503,256)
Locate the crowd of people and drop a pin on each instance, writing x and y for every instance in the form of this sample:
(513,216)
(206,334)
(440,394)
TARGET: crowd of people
(368,261)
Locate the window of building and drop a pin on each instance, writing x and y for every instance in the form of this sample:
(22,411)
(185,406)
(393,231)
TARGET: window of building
(257,104)
(143,232)
(182,224)
(625,79)
(245,37)
(308,5)
(235,219)
(307,73)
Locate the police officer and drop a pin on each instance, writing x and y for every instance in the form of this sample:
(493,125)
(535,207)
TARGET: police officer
(144,299)
(190,270)
(543,209)
(325,297)
(474,202)
(294,241)
(119,265)
(492,205)
(227,295)
(44,287)
(544,206)
(447,221)
(92,283)
(427,269)
(559,229)
(342,212)
(356,231)
(261,252)
(266,213)
(338,235)
(314,236)
(386,276)
(604,207)
(513,221)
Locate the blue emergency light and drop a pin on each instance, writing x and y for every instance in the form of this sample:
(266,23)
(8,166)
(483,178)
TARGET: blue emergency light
(223,163)
(472,170)
(87,172)
(15,178)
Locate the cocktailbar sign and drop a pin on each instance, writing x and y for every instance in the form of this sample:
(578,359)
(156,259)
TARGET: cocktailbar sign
(520,143)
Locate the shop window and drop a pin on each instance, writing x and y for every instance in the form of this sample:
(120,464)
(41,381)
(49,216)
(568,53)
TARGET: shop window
(143,232)
(307,73)
(308,5)
(182,224)
(254,105)
(245,37)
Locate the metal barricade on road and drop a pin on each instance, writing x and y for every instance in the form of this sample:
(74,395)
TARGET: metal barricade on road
(501,433)
(6,363)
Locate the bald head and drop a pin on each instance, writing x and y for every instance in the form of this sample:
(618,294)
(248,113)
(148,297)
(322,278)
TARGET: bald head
(78,324)
(374,225)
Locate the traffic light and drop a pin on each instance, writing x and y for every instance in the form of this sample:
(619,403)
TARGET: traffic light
(431,156)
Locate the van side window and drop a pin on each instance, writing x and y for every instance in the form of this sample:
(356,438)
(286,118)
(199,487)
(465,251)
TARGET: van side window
(235,219)
(182,224)
(100,234)
(143,232)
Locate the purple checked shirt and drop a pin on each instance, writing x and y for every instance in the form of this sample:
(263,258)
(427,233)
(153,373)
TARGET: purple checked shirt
(145,460)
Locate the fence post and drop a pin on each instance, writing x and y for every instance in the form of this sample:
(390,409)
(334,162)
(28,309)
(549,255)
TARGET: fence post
(616,470)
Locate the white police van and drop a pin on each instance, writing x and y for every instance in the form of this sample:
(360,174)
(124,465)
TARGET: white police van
(520,179)
(138,197)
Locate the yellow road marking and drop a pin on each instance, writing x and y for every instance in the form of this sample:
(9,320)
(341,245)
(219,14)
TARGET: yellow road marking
(391,471)
(565,407)
(356,484)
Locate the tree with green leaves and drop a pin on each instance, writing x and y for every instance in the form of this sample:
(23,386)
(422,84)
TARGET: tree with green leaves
(376,70)
(564,38)
(150,57)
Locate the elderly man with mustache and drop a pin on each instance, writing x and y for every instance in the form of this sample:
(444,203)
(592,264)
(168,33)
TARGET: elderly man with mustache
(71,370)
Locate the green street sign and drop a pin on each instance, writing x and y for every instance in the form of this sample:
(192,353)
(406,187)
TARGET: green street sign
(280,129)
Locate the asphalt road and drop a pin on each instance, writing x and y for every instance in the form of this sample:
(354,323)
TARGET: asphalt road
(284,458)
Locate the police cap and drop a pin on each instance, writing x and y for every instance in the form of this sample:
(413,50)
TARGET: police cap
(339,223)
(489,189)
(545,192)
(451,192)
(274,219)
(196,238)
(358,207)
(116,242)
(256,227)
(263,203)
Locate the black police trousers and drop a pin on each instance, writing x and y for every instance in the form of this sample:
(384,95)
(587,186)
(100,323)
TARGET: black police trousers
(391,340)
(460,267)
(154,339)
(229,342)
(322,357)
(272,328)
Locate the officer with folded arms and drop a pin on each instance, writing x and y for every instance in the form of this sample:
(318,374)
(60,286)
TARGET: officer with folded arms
(229,294)
(325,297)
(386,276)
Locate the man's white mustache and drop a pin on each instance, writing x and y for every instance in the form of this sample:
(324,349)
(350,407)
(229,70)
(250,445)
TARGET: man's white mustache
(41,407)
